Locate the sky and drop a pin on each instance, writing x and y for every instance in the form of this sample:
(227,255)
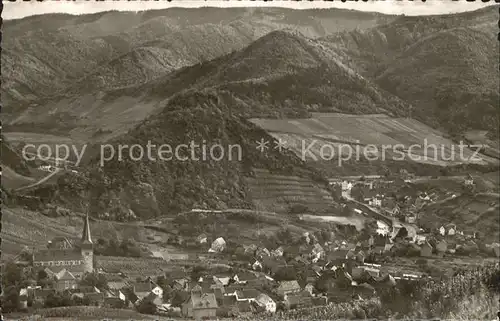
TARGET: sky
(19,9)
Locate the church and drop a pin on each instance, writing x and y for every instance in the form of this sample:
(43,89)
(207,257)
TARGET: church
(61,254)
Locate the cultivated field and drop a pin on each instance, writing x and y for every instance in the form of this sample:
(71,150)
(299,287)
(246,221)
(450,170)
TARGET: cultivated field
(379,130)
(78,313)
(21,228)
(132,267)
(279,192)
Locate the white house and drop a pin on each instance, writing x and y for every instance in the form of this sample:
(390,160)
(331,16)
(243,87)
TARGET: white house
(257,266)
(346,188)
(376,201)
(266,302)
(442,230)
(218,245)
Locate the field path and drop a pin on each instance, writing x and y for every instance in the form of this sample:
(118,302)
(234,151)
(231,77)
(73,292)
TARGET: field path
(41,181)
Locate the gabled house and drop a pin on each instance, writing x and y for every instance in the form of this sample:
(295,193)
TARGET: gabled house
(278,252)
(222,279)
(298,300)
(64,280)
(451,229)
(200,306)
(143,289)
(360,257)
(114,299)
(266,302)
(288,287)
(23,299)
(257,266)
(219,245)
(180,284)
(309,288)
(244,277)
(249,295)
(202,239)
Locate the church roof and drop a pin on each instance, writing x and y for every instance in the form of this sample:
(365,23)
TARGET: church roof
(86,237)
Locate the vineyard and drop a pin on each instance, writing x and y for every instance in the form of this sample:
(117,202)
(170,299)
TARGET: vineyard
(447,299)
(89,313)
(23,228)
(279,192)
(335,129)
(132,267)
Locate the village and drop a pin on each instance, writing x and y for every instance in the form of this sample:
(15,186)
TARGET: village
(229,280)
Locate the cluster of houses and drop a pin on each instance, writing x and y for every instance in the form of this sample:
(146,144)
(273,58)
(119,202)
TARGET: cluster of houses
(352,267)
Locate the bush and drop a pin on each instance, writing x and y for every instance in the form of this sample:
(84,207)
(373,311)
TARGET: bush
(298,209)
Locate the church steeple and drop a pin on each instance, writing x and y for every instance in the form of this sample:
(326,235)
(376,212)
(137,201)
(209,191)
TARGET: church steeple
(86,237)
(87,247)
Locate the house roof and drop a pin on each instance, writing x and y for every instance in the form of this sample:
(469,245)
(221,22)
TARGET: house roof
(248,294)
(204,301)
(85,289)
(264,299)
(427,244)
(70,268)
(64,275)
(229,300)
(95,296)
(298,298)
(246,276)
(233,288)
(57,255)
(117,285)
(140,287)
(289,285)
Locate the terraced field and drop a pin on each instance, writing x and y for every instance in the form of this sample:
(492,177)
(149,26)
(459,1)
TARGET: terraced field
(279,192)
(325,132)
(22,229)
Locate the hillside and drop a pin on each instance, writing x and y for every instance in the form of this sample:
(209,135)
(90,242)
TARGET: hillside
(150,188)
(45,55)
(427,61)
(471,213)
(282,74)
(12,158)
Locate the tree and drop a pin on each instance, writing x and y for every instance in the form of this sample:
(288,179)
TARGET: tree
(12,275)
(94,279)
(11,299)
(197,272)
(146,307)
(179,297)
